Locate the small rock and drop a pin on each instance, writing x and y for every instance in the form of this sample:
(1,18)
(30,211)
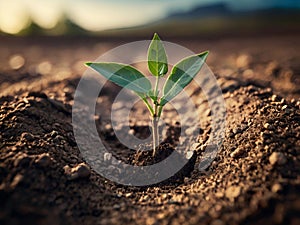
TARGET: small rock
(108,127)
(67,169)
(150,221)
(131,132)
(207,112)
(268,126)
(16,181)
(27,136)
(22,160)
(43,160)
(77,172)
(53,134)
(127,195)
(277,158)
(186,180)
(233,192)
(107,156)
(264,135)
(237,152)
(274,98)
(20,105)
(219,194)
(80,171)
(284,107)
(276,188)
(237,130)
(116,206)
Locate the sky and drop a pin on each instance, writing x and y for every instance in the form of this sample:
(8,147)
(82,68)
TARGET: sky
(97,15)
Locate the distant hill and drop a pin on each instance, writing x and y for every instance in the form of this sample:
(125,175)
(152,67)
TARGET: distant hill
(222,9)
(201,21)
(217,20)
(203,11)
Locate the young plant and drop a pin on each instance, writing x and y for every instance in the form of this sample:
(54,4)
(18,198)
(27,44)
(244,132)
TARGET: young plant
(129,77)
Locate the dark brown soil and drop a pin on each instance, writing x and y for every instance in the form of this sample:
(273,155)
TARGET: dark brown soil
(255,178)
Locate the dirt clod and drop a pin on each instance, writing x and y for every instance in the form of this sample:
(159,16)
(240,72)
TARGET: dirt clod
(233,192)
(237,152)
(44,160)
(80,171)
(277,158)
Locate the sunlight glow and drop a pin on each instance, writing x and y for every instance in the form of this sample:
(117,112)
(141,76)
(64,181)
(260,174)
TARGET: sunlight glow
(13,16)
(101,16)
(45,13)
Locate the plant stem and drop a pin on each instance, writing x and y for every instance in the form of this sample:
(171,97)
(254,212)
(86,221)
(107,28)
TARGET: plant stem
(148,106)
(155,118)
(160,111)
(155,134)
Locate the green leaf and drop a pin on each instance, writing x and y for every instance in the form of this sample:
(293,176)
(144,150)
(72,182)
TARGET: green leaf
(123,75)
(181,75)
(157,57)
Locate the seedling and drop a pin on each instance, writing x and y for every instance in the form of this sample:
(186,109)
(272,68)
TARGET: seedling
(129,77)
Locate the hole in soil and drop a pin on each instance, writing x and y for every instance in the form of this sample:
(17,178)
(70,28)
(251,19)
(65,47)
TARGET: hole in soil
(139,121)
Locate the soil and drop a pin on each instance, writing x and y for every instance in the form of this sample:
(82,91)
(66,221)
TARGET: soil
(255,178)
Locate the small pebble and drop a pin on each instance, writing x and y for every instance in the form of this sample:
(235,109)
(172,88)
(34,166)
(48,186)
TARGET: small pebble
(268,126)
(131,132)
(116,206)
(108,127)
(107,156)
(81,171)
(237,152)
(16,181)
(150,221)
(237,130)
(274,98)
(27,136)
(219,194)
(127,195)
(53,134)
(277,158)
(43,160)
(233,192)
(77,172)
(276,188)
(22,160)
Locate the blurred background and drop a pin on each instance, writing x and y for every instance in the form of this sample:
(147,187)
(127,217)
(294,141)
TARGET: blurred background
(142,17)
(250,40)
